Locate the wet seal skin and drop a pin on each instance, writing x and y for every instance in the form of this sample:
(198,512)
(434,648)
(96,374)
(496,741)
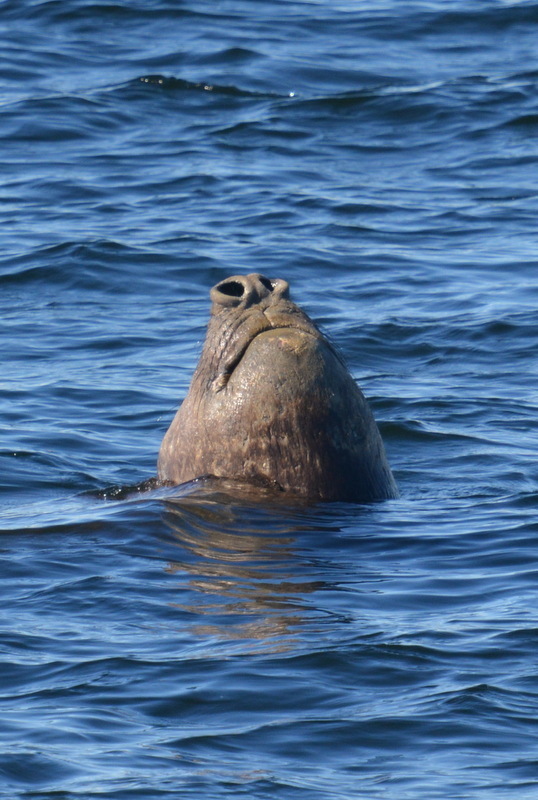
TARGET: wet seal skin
(271,403)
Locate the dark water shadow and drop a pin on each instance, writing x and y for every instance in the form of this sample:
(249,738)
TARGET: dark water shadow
(249,567)
(248,560)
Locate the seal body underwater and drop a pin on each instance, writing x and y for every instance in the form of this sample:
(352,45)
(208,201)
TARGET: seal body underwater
(271,401)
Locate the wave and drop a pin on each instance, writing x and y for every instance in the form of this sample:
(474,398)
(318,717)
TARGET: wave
(171,84)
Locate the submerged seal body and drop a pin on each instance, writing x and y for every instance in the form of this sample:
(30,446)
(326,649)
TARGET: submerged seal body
(271,401)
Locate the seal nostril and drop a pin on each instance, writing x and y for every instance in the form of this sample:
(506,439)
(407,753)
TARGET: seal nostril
(231,288)
(266,282)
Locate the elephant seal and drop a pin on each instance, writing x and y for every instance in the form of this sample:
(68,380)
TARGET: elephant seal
(271,402)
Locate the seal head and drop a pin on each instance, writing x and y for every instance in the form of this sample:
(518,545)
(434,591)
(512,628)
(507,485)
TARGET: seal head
(271,401)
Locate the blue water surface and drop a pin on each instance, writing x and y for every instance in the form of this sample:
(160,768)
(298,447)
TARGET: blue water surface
(383,158)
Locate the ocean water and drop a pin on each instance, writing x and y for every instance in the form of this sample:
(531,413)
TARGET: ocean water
(383,158)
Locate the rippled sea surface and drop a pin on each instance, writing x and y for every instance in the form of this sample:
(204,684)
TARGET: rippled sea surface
(383,158)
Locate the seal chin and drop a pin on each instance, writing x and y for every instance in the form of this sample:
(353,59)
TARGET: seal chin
(282,337)
(272,356)
(288,339)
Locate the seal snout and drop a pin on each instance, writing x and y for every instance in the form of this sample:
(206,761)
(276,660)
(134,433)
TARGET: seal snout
(247,290)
